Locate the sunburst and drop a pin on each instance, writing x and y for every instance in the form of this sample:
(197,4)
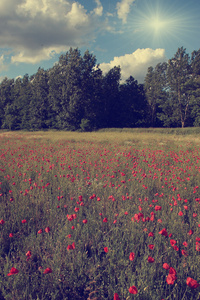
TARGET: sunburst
(159,25)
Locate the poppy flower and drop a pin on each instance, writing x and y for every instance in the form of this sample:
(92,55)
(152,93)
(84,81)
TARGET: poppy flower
(172,242)
(132,256)
(176,248)
(84,221)
(47,229)
(13,271)
(192,283)
(163,232)
(171,278)
(28,254)
(151,246)
(11,235)
(185,244)
(172,271)
(116,296)
(150,259)
(40,231)
(133,290)
(24,221)
(71,247)
(151,234)
(166,266)
(105,220)
(184,252)
(158,207)
(47,271)
(106,249)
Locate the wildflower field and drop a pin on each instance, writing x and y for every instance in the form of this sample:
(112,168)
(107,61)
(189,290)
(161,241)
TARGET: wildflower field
(102,215)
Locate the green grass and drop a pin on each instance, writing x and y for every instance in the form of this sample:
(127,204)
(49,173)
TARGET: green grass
(108,178)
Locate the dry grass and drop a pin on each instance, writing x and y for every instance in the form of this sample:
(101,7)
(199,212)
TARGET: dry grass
(135,136)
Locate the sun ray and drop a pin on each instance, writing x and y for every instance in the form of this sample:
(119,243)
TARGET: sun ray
(157,24)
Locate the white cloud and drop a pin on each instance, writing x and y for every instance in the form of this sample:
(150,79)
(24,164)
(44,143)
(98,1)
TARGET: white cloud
(35,30)
(136,63)
(3,66)
(99,9)
(123,9)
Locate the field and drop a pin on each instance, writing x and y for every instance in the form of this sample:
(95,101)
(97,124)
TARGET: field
(101,215)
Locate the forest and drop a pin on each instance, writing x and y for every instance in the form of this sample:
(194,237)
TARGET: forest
(75,95)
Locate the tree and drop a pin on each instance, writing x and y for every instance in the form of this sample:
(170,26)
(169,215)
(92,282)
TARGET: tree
(6,100)
(132,104)
(71,90)
(178,74)
(195,87)
(110,101)
(154,86)
(39,106)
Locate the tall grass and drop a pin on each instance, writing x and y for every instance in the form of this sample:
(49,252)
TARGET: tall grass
(82,202)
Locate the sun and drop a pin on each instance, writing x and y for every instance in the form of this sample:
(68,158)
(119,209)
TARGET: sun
(159,24)
(156,24)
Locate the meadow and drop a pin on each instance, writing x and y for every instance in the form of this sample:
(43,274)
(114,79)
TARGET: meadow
(102,215)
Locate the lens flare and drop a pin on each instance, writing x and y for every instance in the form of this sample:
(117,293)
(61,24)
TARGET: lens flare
(157,24)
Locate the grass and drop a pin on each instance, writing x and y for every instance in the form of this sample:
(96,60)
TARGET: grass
(75,205)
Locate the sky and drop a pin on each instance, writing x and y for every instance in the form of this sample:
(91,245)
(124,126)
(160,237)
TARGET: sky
(134,34)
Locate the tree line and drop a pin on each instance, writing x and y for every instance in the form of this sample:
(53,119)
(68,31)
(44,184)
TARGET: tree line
(75,95)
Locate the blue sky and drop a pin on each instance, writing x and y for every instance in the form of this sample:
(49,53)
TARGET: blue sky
(134,34)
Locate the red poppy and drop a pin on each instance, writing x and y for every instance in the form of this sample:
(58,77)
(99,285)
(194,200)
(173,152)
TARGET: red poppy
(84,221)
(185,244)
(13,271)
(11,235)
(184,252)
(133,290)
(132,256)
(105,220)
(24,221)
(190,232)
(151,246)
(40,231)
(116,296)
(158,207)
(150,259)
(171,278)
(151,234)
(172,242)
(71,247)
(166,266)
(47,229)
(192,283)
(47,271)
(28,254)
(106,249)
(176,248)
(172,271)
(163,232)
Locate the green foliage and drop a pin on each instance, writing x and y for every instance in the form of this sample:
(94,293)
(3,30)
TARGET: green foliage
(75,90)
